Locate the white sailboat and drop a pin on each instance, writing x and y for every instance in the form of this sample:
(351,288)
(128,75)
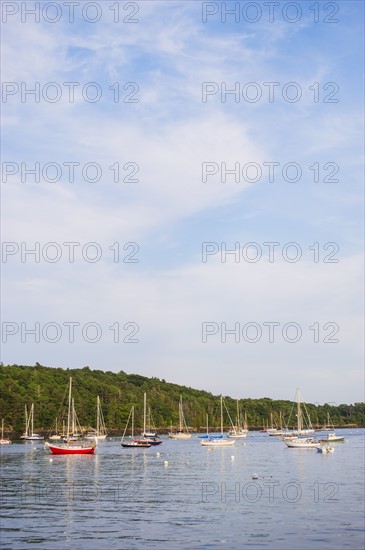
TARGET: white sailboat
(207,435)
(218,442)
(238,431)
(275,431)
(183,432)
(298,442)
(100,432)
(29,434)
(4,440)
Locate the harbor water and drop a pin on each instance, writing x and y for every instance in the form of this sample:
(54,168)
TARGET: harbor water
(257,494)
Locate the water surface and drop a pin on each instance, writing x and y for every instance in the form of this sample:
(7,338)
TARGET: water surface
(130,498)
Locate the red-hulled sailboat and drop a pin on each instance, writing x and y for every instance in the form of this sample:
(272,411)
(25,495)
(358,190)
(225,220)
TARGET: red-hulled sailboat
(70,447)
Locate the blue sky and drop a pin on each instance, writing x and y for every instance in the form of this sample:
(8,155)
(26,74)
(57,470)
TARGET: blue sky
(169,133)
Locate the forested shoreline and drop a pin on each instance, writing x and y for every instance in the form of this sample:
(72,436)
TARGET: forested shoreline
(46,387)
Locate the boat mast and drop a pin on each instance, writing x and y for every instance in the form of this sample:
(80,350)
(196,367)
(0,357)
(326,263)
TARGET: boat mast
(2,429)
(97,415)
(207,426)
(298,411)
(26,421)
(32,418)
(132,421)
(222,414)
(69,411)
(144,413)
(180,415)
(238,416)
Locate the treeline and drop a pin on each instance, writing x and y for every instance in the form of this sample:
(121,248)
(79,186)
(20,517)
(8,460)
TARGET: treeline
(47,389)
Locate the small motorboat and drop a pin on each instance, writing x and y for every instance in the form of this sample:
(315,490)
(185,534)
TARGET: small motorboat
(324,449)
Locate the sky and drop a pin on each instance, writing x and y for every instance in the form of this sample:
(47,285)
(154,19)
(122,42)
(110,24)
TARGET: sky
(149,151)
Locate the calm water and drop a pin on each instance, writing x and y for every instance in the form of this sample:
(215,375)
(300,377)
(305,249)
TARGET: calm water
(128,498)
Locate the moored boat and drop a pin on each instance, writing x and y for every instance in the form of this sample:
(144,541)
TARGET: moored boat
(332,437)
(133,443)
(183,432)
(29,434)
(294,440)
(323,448)
(221,441)
(100,432)
(238,431)
(301,443)
(152,439)
(70,447)
(4,440)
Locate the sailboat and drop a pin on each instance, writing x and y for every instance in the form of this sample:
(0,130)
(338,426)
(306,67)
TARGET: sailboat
(152,439)
(332,437)
(69,447)
(183,432)
(275,431)
(237,431)
(297,441)
(4,440)
(100,433)
(207,435)
(218,442)
(133,443)
(29,434)
(56,436)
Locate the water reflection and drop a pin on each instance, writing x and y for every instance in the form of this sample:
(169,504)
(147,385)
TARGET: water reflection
(128,498)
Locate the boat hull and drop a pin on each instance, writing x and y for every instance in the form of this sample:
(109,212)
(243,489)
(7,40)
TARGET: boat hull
(179,436)
(217,442)
(154,441)
(71,449)
(324,449)
(301,444)
(136,445)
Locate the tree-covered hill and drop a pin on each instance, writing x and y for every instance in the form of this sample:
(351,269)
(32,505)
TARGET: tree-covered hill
(47,389)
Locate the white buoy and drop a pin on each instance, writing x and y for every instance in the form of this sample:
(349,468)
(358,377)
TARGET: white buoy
(158,455)
(51,459)
(165,462)
(255,476)
(232,457)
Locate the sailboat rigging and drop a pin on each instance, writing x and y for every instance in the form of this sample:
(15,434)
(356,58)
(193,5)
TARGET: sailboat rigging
(133,443)
(4,440)
(183,432)
(218,442)
(152,439)
(69,446)
(100,432)
(29,434)
(294,440)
